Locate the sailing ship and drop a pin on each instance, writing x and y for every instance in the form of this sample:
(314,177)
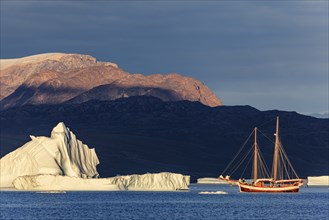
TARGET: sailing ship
(283,177)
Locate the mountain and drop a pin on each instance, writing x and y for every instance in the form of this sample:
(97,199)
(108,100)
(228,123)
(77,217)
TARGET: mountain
(56,78)
(145,134)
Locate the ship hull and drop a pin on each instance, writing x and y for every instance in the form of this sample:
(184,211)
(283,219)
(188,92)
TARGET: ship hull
(257,189)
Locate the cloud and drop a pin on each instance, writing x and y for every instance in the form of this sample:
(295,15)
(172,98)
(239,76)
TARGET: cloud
(241,49)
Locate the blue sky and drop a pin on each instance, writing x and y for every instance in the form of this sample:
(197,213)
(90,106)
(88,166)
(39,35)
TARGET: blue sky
(268,54)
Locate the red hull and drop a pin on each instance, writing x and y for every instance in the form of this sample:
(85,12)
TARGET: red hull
(257,189)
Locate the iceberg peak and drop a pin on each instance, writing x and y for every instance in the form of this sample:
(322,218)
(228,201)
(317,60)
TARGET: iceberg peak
(59,128)
(60,154)
(62,162)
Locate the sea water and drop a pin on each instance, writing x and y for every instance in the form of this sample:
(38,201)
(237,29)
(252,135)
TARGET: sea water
(309,203)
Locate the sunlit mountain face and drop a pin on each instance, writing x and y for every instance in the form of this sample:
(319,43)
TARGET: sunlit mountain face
(74,78)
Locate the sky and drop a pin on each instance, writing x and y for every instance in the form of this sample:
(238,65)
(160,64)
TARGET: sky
(267,54)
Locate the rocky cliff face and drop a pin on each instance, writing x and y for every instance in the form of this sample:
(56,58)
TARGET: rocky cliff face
(56,78)
(14,72)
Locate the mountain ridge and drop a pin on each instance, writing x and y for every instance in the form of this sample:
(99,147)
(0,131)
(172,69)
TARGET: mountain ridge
(145,134)
(57,78)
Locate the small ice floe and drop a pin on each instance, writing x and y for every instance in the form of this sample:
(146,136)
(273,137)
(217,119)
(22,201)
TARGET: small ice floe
(213,192)
(209,180)
(318,181)
(51,191)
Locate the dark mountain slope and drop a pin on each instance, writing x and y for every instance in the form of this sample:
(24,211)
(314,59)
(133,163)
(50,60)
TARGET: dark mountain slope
(145,134)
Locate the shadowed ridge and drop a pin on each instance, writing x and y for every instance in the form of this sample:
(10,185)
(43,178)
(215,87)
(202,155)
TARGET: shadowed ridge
(79,78)
(145,134)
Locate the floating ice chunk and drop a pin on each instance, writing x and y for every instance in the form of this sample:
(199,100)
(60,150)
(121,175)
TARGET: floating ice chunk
(62,162)
(62,183)
(209,180)
(318,181)
(213,192)
(146,182)
(52,192)
(61,154)
(158,181)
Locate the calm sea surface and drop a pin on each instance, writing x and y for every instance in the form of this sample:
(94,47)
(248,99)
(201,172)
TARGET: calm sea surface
(310,203)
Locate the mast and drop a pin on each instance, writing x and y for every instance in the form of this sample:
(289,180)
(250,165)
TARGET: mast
(255,156)
(276,151)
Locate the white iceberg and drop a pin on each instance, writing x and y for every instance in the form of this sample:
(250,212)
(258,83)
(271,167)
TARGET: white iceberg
(212,192)
(157,181)
(318,181)
(146,182)
(210,180)
(49,182)
(60,154)
(62,162)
